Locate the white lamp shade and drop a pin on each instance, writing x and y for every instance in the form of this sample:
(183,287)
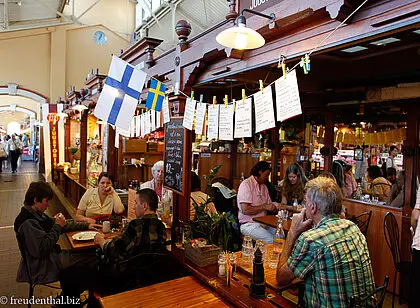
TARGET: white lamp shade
(79,108)
(240,37)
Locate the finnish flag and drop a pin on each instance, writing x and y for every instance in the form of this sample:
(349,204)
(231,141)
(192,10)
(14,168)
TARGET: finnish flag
(119,97)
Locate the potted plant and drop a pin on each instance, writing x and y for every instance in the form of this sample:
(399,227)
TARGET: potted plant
(216,228)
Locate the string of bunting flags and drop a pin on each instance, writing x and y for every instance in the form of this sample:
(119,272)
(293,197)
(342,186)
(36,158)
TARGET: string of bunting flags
(119,97)
(118,101)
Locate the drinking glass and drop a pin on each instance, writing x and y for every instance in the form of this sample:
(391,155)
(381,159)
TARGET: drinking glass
(263,248)
(273,260)
(247,248)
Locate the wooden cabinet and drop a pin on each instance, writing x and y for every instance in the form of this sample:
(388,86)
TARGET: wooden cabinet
(128,172)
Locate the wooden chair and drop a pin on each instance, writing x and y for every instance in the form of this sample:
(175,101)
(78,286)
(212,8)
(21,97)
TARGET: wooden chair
(392,237)
(362,221)
(32,284)
(376,299)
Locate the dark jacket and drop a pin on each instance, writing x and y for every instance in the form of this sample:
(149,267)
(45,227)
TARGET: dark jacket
(38,234)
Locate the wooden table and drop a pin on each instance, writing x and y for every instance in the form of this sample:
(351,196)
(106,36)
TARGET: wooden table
(182,292)
(79,245)
(271,220)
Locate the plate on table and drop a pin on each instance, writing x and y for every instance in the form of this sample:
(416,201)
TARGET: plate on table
(85,236)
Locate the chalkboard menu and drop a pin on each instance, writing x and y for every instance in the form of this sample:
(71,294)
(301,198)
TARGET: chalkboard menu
(174,155)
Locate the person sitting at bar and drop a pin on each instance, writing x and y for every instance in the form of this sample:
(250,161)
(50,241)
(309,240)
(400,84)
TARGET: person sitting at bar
(254,201)
(198,197)
(38,234)
(145,234)
(293,187)
(328,253)
(391,175)
(350,184)
(102,200)
(164,195)
(379,186)
(396,195)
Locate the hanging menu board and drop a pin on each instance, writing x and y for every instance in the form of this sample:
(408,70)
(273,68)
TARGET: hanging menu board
(174,156)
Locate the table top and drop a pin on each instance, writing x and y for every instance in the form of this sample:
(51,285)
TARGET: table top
(79,245)
(182,292)
(271,220)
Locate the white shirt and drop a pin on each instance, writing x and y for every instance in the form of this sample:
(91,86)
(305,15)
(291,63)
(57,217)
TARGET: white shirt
(416,239)
(91,203)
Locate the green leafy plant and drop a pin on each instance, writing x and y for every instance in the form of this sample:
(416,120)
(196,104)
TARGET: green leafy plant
(73,150)
(215,228)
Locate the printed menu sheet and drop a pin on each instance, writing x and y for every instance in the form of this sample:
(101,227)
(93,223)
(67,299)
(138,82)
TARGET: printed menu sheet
(133,128)
(243,118)
(189,113)
(213,122)
(165,111)
(137,126)
(200,116)
(226,122)
(158,125)
(287,97)
(153,120)
(142,124)
(146,122)
(264,110)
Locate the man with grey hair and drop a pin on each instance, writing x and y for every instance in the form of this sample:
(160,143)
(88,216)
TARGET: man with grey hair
(328,253)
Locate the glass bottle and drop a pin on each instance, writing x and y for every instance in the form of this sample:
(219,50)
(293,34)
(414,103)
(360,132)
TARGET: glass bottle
(278,239)
(242,177)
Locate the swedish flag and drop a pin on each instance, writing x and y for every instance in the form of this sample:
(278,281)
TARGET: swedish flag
(156,95)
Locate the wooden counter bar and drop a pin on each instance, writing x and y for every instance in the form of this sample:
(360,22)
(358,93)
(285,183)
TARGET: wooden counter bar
(72,187)
(182,292)
(381,257)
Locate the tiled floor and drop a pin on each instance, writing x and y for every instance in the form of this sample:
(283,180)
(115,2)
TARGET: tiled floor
(12,192)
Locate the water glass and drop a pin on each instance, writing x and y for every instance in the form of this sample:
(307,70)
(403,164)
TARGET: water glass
(247,248)
(263,248)
(273,260)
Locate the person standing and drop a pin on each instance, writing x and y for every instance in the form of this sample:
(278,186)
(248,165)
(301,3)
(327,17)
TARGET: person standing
(328,253)
(390,161)
(3,153)
(14,149)
(415,265)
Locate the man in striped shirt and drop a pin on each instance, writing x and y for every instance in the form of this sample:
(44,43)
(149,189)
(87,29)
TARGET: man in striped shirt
(328,253)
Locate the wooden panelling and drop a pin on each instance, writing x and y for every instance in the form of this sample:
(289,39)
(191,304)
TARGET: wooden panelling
(379,251)
(207,161)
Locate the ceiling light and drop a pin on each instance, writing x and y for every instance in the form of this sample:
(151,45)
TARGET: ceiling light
(242,37)
(416,31)
(354,49)
(79,108)
(19,3)
(386,41)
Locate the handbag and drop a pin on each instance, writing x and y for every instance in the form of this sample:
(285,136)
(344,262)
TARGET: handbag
(18,151)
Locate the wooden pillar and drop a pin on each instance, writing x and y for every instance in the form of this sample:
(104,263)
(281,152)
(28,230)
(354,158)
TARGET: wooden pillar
(112,155)
(67,139)
(275,155)
(329,141)
(83,146)
(411,164)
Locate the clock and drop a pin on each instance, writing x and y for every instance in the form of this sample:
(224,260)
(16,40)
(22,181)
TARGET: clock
(100,38)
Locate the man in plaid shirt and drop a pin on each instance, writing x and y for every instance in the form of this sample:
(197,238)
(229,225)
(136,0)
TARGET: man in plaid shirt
(147,233)
(328,253)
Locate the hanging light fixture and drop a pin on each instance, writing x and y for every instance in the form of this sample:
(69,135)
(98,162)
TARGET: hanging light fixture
(79,107)
(242,37)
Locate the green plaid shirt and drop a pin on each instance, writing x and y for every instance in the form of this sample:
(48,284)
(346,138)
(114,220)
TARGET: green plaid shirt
(333,260)
(146,234)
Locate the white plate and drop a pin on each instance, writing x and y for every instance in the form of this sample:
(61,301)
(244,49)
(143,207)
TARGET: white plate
(84,236)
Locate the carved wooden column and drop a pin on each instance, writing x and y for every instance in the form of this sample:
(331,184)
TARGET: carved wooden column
(329,142)
(232,10)
(66,139)
(83,146)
